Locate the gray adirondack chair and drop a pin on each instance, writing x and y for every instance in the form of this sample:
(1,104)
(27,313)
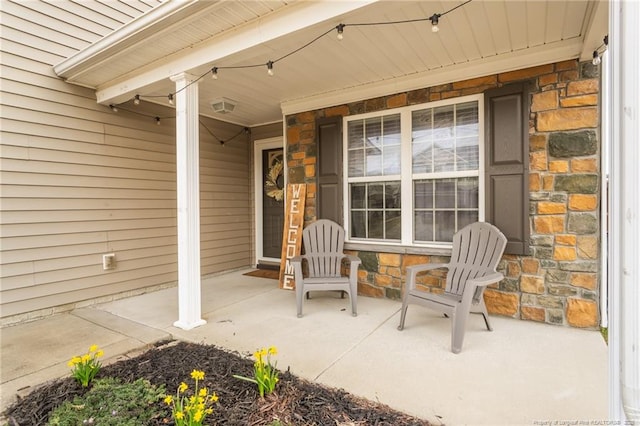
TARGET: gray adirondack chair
(323,244)
(477,249)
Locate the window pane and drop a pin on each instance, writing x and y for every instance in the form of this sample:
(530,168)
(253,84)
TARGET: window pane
(375,196)
(455,205)
(356,163)
(423,226)
(392,196)
(468,193)
(467,119)
(374,162)
(443,122)
(421,125)
(466,218)
(444,155)
(356,134)
(392,129)
(422,161)
(375,210)
(445,194)
(423,195)
(467,153)
(392,160)
(373,132)
(376,224)
(445,225)
(392,225)
(358,224)
(358,196)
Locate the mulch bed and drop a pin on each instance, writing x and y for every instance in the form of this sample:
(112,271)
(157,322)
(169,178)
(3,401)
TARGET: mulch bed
(295,402)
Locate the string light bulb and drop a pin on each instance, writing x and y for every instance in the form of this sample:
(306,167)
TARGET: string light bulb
(136,100)
(158,121)
(340,29)
(270,68)
(113,108)
(596,58)
(214,73)
(434,22)
(170,98)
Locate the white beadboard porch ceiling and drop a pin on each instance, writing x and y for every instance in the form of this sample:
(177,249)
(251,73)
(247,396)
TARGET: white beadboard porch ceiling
(479,38)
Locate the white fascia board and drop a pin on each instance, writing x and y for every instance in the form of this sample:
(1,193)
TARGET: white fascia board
(285,21)
(595,28)
(549,53)
(158,18)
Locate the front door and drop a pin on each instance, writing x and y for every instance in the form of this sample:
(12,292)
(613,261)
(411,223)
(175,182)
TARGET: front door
(269,156)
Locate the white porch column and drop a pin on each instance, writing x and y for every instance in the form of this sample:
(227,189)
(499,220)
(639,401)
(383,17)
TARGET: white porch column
(188,189)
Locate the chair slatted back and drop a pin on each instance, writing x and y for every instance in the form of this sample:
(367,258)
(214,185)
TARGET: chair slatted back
(477,249)
(323,243)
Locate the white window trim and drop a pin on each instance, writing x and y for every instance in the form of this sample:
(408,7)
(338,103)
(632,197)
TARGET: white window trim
(406,177)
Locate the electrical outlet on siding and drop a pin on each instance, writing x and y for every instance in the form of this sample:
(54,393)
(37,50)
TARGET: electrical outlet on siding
(108,261)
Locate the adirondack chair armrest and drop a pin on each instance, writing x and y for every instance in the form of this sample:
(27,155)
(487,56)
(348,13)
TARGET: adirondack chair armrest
(296,262)
(414,270)
(353,262)
(487,279)
(472,293)
(352,259)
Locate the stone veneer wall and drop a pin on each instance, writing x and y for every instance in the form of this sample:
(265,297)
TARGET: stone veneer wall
(558,282)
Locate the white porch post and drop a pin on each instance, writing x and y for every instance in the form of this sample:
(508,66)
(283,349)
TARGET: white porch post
(188,189)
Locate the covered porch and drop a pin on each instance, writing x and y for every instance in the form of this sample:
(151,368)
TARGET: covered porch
(521,373)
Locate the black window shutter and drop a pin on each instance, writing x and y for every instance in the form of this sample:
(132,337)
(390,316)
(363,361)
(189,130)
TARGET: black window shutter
(507,164)
(329,169)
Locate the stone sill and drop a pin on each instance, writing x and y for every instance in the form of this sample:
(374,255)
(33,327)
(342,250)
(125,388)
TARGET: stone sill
(389,248)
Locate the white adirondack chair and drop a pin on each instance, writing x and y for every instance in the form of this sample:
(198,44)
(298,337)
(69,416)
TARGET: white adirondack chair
(323,243)
(477,249)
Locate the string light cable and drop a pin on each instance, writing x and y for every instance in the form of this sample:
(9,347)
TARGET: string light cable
(434,19)
(222,142)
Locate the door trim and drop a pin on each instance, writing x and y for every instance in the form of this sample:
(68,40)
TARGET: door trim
(258,147)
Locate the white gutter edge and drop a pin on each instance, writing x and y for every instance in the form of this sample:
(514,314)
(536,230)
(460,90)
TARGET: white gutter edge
(76,62)
(605,143)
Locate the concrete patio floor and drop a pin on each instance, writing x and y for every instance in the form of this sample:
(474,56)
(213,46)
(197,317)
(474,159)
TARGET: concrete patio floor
(521,373)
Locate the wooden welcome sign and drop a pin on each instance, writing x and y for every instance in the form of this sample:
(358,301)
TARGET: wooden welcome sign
(292,234)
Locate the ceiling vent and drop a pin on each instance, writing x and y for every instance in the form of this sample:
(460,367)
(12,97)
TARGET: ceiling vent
(223,105)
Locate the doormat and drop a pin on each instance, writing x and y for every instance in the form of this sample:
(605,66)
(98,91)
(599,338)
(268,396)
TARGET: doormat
(265,273)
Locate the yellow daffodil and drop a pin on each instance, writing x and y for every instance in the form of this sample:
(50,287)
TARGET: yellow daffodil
(179,415)
(208,410)
(198,416)
(183,387)
(168,399)
(213,397)
(273,350)
(99,353)
(85,358)
(93,348)
(197,375)
(203,392)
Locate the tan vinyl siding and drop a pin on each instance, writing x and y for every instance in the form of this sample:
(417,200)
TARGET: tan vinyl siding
(78,180)
(225,215)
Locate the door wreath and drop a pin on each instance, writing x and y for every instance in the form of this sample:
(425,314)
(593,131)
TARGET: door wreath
(271,185)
